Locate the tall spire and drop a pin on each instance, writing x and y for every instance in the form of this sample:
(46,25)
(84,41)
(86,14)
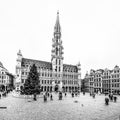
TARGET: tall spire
(57,48)
(57,27)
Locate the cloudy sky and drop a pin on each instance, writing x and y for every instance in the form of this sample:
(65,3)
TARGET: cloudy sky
(90,31)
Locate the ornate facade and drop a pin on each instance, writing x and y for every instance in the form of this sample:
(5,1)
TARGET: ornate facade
(6,79)
(53,75)
(104,81)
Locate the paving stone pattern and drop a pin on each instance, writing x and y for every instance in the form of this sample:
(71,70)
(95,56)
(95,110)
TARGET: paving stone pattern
(77,108)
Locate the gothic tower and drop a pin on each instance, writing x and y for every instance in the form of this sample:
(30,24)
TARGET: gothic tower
(57,53)
(79,76)
(19,60)
(18,69)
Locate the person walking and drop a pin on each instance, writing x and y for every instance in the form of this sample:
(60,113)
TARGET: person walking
(60,95)
(115,98)
(72,94)
(106,101)
(51,97)
(48,94)
(93,95)
(34,98)
(45,98)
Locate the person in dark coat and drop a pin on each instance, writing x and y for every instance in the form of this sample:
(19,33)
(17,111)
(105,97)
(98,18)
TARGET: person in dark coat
(65,94)
(106,101)
(60,95)
(51,97)
(48,94)
(34,98)
(45,98)
(83,92)
(93,95)
(72,94)
(115,98)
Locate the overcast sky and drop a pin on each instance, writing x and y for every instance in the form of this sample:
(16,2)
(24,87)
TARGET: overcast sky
(90,31)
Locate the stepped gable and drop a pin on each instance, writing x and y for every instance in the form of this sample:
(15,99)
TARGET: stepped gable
(70,68)
(38,63)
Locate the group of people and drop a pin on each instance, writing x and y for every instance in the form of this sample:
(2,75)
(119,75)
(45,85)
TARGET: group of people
(92,94)
(47,95)
(75,94)
(111,98)
(60,95)
(4,93)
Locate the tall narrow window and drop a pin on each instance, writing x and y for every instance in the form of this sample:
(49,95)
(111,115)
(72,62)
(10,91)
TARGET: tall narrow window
(56,61)
(59,69)
(56,51)
(59,62)
(56,69)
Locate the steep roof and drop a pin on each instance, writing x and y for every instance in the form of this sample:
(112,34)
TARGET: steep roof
(39,63)
(1,65)
(47,65)
(66,66)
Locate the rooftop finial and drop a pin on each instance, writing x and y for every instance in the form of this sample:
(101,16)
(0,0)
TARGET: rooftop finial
(58,12)
(19,53)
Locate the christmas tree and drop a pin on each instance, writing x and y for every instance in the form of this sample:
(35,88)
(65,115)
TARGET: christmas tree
(32,83)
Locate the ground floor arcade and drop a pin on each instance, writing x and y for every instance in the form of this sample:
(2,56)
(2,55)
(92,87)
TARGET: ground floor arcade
(56,88)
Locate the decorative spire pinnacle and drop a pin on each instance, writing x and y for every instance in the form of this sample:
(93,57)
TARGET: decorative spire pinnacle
(19,53)
(57,27)
(58,12)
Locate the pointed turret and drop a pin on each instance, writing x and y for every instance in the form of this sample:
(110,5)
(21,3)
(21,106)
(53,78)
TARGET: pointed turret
(19,54)
(57,27)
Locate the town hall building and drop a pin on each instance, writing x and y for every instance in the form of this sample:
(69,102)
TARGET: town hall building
(54,75)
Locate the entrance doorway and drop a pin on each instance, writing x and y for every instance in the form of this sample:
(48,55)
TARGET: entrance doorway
(56,88)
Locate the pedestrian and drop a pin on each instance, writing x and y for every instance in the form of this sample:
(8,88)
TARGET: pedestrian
(34,98)
(51,97)
(115,98)
(106,101)
(72,94)
(76,94)
(111,97)
(45,98)
(65,94)
(84,93)
(48,94)
(60,95)
(93,95)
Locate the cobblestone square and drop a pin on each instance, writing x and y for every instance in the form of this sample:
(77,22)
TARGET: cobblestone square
(82,107)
